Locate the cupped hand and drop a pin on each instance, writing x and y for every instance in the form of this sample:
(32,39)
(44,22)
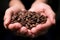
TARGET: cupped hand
(15,26)
(46,10)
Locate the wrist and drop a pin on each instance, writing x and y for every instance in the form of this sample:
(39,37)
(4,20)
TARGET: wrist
(17,7)
(16,3)
(44,1)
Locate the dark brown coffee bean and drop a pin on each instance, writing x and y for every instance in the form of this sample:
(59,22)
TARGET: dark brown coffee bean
(28,19)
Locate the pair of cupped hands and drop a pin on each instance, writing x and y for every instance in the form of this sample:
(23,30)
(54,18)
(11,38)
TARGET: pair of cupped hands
(40,29)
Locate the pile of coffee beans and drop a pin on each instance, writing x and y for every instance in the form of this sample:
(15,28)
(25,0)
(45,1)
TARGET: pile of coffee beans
(28,19)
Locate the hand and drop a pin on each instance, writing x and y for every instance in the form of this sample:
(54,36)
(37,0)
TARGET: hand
(7,19)
(45,10)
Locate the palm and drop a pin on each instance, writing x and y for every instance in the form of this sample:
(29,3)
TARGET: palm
(15,26)
(47,11)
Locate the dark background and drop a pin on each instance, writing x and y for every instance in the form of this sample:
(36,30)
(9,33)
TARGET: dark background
(53,32)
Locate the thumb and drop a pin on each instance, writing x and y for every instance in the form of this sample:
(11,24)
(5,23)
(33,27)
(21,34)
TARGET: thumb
(31,9)
(7,17)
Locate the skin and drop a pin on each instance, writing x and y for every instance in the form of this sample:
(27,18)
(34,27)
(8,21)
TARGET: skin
(37,6)
(45,10)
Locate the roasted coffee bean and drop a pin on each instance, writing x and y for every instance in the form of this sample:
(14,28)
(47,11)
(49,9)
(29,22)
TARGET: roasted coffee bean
(28,19)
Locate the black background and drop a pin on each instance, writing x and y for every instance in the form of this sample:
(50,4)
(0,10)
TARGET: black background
(53,31)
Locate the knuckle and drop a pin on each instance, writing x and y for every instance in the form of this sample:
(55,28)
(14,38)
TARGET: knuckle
(10,26)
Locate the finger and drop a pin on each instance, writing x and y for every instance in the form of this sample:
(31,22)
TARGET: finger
(28,34)
(23,30)
(23,9)
(41,27)
(49,12)
(34,30)
(14,26)
(7,17)
(8,13)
